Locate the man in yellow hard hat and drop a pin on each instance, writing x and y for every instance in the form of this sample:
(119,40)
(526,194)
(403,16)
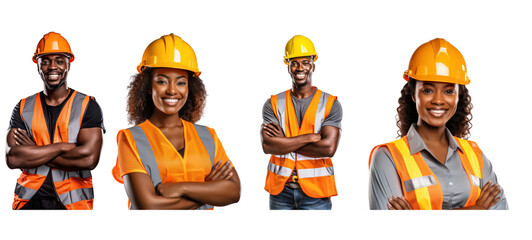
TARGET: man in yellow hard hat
(55,136)
(301,130)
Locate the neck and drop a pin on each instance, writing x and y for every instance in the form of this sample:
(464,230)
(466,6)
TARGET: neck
(56,96)
(162,120)
(431,134)
(304,91)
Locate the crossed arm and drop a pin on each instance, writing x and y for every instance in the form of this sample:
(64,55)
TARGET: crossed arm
(221,187)
(321,144)
(22,152)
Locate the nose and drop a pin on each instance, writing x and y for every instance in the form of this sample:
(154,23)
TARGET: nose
(300,67)
(171,89)
(438,98)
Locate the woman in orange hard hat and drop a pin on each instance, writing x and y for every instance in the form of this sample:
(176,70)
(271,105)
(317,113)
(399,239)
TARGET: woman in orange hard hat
(166,161)
(431,166)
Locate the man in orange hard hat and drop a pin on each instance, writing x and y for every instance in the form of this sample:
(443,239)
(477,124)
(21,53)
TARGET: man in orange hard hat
(301,130)
(55,136)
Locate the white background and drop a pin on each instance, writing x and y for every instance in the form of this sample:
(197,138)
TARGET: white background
(363,49)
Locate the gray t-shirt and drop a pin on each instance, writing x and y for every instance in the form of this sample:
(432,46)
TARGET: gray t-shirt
(385,182)
(300,106)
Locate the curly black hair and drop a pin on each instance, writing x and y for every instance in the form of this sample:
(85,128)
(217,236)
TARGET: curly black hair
(140,104)
(459,124)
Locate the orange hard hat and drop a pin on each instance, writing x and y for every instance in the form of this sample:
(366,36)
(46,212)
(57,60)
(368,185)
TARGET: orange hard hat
(169,51)
(438,61)
(53,43)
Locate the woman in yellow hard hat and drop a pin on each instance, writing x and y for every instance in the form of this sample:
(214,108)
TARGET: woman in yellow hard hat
(431,166)
(166,161)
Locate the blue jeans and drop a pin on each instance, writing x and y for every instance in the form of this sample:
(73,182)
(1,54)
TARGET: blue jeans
(296,199)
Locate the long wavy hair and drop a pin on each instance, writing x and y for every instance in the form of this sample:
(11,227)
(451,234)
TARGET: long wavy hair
(459,124)
(140,104)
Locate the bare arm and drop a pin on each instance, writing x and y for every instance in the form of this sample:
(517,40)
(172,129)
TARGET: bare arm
(86,154)
(221,187)
(275,142)
(325,147)
(141,193)
(21,151)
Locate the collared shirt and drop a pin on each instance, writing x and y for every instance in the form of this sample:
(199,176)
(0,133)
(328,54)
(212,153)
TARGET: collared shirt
(385,182)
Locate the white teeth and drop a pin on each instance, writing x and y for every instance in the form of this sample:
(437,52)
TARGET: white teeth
(171,100)
(438,111)
(53,77)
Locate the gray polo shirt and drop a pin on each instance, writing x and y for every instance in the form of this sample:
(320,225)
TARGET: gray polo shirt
(385,182)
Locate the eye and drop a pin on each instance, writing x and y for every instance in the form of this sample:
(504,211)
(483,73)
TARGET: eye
(45,62)
(449,92)
(427,91)
(60,62)
(161,81)
(181,83)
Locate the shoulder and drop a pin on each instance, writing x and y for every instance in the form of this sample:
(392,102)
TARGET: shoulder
(381,158)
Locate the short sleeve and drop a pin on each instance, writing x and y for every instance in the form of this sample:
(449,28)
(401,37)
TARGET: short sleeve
(16,120)
(128,159)
(488,174)
(267,113)
(335,116)
(384,180)
(93,116)
(219,149)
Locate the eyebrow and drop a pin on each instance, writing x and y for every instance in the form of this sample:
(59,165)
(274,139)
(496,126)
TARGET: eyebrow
(162,75)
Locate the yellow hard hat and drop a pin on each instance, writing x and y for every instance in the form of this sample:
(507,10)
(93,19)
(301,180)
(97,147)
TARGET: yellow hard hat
(299,46)
(53,43)
(169,51)
(437,61)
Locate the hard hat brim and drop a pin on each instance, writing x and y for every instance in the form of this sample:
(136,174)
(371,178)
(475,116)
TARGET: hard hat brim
(70,56)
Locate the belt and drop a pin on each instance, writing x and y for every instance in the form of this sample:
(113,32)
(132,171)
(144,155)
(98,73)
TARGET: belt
(293,182)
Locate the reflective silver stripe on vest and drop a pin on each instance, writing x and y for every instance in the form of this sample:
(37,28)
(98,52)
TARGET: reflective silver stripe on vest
(279,170)
(320,113)
(77,195)
(41,170)
(476,181)
(27,113)
(207,140)
(419,182)
(205,207)
(24,192)
(146,154)
(281,105)
(60,175)
(75,115)
(315,172)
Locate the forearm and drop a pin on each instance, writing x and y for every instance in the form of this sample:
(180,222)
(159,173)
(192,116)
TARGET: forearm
(285,145)
(322,148)
(216,193)
(30,156)
(78,158)
(142,195)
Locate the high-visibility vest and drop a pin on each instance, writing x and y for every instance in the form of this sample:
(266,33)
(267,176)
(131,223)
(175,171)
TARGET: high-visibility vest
(74,188)
(150,146)
(421,187)
(316,175)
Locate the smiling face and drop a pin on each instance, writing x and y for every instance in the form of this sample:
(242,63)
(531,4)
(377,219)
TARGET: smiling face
(300,70)
(169,89)
(53,69)
(436,102)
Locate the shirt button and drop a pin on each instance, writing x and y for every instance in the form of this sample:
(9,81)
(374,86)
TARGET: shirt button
(450,183)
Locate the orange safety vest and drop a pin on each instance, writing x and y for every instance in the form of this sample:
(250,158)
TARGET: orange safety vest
(316,175)
(420,186)
(74,188)
(151,146)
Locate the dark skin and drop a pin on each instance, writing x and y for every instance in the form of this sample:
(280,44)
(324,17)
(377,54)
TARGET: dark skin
(322,144)
(436,103)
(221,186)
(21,150)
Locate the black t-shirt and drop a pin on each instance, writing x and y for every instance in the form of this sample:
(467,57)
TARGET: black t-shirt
(93,118)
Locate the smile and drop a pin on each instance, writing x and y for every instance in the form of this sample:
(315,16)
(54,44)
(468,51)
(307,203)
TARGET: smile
(53,76)
(301,75)
(437,112)
(171,101)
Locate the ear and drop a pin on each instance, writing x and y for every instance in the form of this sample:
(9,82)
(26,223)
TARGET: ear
(413,98)
(313,67)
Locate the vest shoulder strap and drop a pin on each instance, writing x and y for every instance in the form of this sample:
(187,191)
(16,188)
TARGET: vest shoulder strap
(146,154)
(207,140)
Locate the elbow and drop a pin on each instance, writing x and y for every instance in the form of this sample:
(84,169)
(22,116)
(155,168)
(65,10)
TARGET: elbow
(330,151)
(11,162)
